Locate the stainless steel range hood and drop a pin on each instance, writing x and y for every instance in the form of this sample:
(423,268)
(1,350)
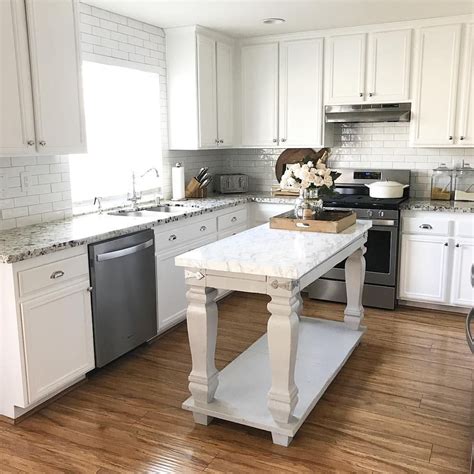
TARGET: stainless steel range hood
(368,113)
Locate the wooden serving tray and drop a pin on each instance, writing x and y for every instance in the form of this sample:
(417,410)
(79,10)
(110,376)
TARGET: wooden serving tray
(330,222)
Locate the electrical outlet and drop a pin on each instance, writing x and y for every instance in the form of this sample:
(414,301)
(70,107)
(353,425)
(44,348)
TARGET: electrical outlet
(3,184)
(25,180)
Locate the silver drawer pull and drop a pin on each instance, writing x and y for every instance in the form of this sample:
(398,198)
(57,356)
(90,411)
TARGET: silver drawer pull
(301,224)
(234,219)
(203,228)
(172,237)
(56,274)
(426,226)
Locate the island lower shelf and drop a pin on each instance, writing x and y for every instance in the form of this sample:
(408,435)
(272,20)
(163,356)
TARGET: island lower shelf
(241,397)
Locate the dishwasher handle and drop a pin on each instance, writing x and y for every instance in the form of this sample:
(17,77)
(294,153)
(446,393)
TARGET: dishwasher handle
(123,252)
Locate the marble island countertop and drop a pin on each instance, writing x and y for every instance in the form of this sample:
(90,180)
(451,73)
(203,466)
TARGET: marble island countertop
(272,252)
(26,242)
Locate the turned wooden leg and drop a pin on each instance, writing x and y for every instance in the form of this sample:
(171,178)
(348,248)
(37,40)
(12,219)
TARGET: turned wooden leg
(202,333)
(355,273)
(282,346)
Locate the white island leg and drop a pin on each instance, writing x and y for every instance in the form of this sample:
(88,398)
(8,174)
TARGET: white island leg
(202,333)
(282,346)
(355,273)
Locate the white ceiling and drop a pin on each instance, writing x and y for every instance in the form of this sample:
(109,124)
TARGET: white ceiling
(244,18)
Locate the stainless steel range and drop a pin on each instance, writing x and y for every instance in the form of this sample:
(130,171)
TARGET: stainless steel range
(382,244)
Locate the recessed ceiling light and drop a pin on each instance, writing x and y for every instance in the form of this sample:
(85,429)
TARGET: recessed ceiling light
(273,21)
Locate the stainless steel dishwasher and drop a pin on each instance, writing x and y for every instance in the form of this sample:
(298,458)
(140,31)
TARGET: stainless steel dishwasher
(123,294)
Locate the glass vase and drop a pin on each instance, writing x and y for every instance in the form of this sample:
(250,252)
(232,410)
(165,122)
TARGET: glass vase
(308,204)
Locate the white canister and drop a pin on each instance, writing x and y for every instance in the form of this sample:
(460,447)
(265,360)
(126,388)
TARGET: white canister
(177,182)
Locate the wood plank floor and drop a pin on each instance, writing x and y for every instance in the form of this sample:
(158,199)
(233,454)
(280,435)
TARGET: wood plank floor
(401,404)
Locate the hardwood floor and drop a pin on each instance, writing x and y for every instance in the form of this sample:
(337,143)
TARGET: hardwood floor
(401,403)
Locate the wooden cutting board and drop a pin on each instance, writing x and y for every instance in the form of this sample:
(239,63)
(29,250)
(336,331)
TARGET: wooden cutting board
(331,222)
(296,155)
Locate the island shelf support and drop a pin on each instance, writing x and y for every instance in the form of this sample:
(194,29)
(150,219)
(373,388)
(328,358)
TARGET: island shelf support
(355,274)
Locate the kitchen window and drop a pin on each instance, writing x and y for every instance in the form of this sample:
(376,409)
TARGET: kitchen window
(122,112)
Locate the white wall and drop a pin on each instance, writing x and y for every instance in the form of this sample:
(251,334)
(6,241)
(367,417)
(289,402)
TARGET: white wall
(363,145)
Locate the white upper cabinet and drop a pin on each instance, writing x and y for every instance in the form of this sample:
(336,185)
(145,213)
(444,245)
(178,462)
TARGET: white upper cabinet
(259,68)
(17,134)
(301,73)
(345,68)
(368,67)
(225,92)
(388,66)
(200,91)
(464,134)
(45,68)
(207,91)
(437,75)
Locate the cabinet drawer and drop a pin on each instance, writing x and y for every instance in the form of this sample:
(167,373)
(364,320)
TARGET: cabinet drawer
(428,226)
(177,236)
(231,231)
(233,219)
(52,274)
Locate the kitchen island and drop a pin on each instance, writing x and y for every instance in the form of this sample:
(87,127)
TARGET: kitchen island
(278,380)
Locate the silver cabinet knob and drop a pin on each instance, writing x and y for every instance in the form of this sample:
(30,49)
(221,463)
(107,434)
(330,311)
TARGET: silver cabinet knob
(361,94)
(283,139)
(458,245)
(216,140)
(57,274)
(42,143)
(446,244)
(172,237)
(371,94)
(30,142)
(461,138)
(89,289)
(426,226)
(450,137)
(203,228)
(234,219)
(275,140)
(221,141)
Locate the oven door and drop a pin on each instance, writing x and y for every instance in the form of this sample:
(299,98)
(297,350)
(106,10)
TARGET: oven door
(380,258)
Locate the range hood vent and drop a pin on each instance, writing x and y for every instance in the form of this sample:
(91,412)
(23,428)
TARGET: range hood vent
(368,113)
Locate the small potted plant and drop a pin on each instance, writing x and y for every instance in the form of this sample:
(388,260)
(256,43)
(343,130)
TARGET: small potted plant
(313,181)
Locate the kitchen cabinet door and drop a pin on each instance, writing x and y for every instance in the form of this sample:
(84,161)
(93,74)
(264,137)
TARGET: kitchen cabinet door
(17,134)
(259,65)
(225,110)
(58,341)
(423,268)
(56,76)
(388,66)
(465,125)
(207,105)
(345,69)
(301,78)
(437,73)
(171,285)
(462,292)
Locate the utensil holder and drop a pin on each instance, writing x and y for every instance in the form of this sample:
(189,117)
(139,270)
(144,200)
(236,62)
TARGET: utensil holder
(194,191)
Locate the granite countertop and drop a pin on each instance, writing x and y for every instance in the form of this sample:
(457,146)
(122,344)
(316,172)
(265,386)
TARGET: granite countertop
(272,252)
(26,242)
(414,204)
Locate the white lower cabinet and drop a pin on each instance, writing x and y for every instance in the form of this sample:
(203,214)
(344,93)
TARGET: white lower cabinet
(424,268)
(171,285)
(46,334)
(462,292)
(58,341)
(437,252)
(181,238)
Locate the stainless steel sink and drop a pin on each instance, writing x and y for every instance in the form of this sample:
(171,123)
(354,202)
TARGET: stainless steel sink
(130,213)
(153,212)
(171,209)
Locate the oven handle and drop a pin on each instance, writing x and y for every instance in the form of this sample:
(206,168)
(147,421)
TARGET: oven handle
(383,222)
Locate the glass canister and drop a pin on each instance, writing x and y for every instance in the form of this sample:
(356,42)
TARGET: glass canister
(441,183)
(464,183)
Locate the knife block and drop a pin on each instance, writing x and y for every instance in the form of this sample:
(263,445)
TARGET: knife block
(194,191)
